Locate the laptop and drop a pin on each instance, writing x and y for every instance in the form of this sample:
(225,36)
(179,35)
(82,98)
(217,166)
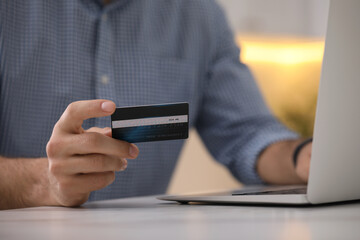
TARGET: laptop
(335,164)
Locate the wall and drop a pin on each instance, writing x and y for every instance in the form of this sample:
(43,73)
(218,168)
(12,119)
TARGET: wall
(284,17)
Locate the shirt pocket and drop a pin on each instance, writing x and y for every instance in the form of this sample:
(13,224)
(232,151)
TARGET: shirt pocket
(154,80)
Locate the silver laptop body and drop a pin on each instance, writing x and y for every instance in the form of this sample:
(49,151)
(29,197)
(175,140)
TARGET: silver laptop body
(335,163)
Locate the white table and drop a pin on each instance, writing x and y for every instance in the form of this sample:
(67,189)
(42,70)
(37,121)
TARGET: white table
(148,218)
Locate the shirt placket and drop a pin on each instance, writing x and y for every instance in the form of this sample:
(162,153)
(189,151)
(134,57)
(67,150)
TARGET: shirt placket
(105,85)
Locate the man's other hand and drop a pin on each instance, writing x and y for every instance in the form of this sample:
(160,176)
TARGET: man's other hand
(303,163)
(82,161)
(276,166)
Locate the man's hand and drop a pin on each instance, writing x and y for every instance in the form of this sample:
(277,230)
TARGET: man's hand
(276,166)
(303,162)
(82,161)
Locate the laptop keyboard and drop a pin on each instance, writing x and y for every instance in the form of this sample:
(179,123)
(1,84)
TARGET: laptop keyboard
(272,191)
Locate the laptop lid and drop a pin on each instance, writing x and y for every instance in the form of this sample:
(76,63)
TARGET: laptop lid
(335,164)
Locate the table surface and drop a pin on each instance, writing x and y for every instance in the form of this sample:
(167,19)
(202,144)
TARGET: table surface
(149,218)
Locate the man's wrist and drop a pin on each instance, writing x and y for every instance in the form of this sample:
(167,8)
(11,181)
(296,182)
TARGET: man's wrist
(275,164)
(40,193)
(298,148)
(24,183)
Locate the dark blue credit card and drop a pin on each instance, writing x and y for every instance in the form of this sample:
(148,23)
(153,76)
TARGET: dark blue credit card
(151,122)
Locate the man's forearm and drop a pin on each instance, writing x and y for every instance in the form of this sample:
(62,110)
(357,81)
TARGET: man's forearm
(23,182)
(275,164)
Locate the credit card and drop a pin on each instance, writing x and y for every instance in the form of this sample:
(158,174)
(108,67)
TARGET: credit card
(151,122)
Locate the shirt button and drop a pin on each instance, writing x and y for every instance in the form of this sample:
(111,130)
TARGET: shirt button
(105,79)
(104,17)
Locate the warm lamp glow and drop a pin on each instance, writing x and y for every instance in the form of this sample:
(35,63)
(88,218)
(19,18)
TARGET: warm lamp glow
(282,52)
(288,72)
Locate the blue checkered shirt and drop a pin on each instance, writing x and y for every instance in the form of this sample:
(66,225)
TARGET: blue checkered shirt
(133,52)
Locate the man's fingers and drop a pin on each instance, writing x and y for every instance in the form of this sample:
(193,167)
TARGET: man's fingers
(85,183)
(92,142)
(106,131)
(74,115)
(93,163)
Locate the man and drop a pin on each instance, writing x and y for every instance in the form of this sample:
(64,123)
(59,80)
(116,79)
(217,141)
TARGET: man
(128,52)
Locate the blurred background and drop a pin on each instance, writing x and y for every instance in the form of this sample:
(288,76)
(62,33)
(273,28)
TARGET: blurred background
(282,41)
